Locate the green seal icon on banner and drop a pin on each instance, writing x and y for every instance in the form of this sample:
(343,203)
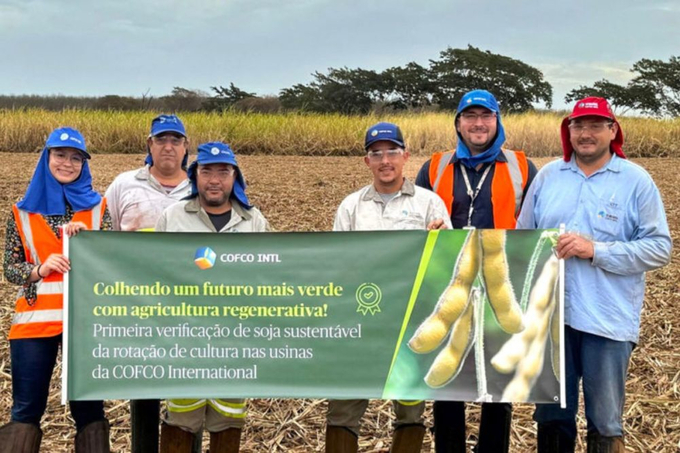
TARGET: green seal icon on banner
(368,297)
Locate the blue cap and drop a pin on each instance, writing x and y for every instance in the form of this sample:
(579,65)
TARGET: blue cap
(478,98)
(384,131)
(167,123)
(66,137)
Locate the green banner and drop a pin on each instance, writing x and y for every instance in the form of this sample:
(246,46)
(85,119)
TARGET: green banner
(448,315)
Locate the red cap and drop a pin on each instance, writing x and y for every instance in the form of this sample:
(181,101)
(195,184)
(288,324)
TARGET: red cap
(591,106)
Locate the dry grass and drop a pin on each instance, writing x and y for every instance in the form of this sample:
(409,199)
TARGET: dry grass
(312,135)
(301,194)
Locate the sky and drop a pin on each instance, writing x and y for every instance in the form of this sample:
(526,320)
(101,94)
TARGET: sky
(131,48)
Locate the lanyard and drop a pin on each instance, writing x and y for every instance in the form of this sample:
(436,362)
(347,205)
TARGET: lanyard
(473,194)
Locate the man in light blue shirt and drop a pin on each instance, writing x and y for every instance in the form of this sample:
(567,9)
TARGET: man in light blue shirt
(616,231)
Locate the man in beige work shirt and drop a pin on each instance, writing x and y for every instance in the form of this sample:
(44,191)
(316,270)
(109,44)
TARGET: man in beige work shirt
(391,202)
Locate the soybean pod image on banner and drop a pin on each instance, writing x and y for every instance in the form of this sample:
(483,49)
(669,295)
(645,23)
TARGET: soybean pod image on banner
(499,304)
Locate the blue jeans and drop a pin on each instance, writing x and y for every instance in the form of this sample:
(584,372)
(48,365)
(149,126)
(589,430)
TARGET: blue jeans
(33,361)
(602,364)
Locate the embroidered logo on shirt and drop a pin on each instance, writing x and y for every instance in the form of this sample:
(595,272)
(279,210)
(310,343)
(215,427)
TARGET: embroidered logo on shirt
(607,216)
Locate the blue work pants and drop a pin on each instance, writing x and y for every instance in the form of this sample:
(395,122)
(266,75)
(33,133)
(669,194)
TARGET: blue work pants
(602,365)
(33,361)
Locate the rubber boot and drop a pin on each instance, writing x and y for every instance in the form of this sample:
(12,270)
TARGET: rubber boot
(144,419)
(551,439)
(494,428)
(176,440)
(449,426)
(226,441)
(94,438)
(341,440)
(20,438)
(601,444)
(408,439)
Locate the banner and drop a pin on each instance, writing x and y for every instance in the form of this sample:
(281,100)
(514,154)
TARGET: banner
(448,315)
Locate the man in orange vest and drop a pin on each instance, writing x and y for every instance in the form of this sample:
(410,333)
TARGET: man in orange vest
(483,186)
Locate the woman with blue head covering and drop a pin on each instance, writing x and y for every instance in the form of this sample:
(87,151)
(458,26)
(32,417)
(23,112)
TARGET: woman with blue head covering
(59,200)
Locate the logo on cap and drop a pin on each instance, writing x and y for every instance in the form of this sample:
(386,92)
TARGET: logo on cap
(63,136)
(215,151)
(374,132)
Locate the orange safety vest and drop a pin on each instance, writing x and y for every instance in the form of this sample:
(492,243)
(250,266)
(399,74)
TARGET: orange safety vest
(44,317)
(507,186)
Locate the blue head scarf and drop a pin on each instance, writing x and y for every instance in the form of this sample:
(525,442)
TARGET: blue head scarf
(219,153)
(480,98)
(162,124)
(47,196)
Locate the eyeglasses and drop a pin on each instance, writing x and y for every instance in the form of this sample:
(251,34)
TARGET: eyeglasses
(593,128)
(222,174)
(165,139)
(60,157)
(488,117)
(391,154)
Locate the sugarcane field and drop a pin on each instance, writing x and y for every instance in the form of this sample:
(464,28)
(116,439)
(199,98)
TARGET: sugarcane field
(300,193)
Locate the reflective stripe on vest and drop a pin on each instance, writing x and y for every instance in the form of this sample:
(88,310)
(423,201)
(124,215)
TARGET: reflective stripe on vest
(516,177)
(38,316)
(443,162)
(44,317)
(508,176)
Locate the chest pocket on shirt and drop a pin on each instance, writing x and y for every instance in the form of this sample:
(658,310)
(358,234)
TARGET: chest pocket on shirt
(608,222)
(408,221)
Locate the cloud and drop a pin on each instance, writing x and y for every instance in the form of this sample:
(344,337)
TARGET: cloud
(586,72)
(666,7)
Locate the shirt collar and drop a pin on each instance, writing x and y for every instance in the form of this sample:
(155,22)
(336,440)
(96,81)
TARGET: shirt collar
(407,188)
(613,165)
(194,205)
(143,173)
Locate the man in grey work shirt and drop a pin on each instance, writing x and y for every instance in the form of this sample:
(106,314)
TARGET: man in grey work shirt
(135,200)
(391,202)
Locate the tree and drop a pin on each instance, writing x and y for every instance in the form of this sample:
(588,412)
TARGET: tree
(302,97)
(622,98)
(515,84)
(183,99)
(344,90)
(115,102)
(411,86)
(226,97)
(663,80)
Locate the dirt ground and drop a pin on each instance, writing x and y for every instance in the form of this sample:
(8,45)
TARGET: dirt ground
(301,194)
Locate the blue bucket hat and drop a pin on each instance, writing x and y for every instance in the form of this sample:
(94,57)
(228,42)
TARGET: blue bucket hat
(66,137)
(384,131)
(162,124)
(219,153)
